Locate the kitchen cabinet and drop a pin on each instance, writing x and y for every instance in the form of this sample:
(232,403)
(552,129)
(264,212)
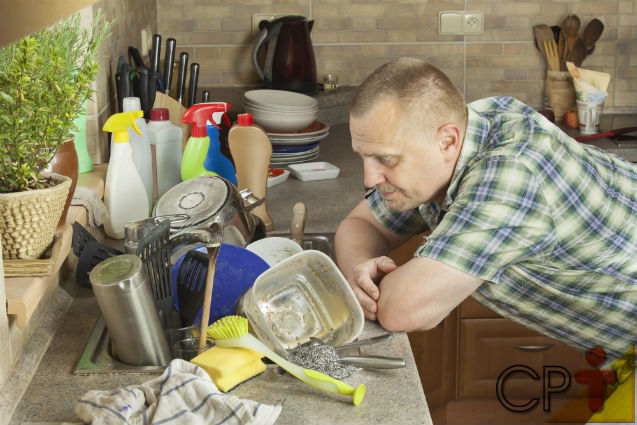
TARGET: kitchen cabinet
(460,361)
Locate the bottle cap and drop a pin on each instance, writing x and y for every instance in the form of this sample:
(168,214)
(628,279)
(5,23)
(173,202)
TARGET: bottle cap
(130,104)
(244,119)
(159,114)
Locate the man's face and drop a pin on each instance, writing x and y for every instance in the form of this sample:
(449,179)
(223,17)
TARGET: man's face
(406,167)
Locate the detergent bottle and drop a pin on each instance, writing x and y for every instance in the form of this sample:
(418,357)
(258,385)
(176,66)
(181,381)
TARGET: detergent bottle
(165,139)
(124,192)
(198,145)
(215,160)
(140,145)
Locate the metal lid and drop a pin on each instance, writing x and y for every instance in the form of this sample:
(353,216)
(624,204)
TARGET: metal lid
(200,197)
(121,271)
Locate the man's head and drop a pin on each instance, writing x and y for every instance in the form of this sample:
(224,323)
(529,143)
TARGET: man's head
(408,122)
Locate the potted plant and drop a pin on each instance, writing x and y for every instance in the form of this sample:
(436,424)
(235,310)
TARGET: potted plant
(44,79)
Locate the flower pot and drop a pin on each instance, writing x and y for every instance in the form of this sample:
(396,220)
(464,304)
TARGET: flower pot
(65,163)
(28,219)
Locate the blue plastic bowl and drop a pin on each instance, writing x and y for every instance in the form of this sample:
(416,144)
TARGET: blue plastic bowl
(235,272)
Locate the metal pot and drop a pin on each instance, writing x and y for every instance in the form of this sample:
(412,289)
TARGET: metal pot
(212,199)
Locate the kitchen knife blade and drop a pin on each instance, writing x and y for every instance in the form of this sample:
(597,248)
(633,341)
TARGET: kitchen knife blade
(181,77)
(192,85)
(169,59)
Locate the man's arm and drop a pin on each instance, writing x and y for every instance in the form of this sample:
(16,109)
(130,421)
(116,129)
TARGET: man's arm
(422,292)
(361,244)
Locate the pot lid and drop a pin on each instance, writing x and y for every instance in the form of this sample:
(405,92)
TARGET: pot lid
(199,197)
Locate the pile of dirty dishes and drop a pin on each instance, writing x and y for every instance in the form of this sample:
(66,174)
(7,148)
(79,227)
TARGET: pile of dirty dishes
(280,110)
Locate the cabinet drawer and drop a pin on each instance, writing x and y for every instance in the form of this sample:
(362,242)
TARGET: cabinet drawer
(471,309)
(489,346)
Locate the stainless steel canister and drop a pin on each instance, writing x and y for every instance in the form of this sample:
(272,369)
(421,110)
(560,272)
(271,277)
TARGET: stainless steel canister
(123,294)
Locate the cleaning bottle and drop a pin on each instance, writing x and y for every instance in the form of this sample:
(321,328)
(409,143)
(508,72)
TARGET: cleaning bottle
(124,192)
(141,148)
(165,140)
(197,147)
(79,139)
(215,160)
(251,150)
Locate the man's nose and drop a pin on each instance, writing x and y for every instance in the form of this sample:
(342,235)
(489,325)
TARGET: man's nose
(373,174)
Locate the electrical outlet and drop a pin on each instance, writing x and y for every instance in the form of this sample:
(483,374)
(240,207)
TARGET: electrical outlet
(258,17)
(461,22)
(147,40)
(473,22)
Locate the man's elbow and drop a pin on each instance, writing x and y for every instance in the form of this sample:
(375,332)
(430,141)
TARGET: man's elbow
(394,318)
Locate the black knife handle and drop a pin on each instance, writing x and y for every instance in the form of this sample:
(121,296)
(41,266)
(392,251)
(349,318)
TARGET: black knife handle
(181,77)
(192,84)
(137,58)
(169,59)
(205,96)
(152,89)
(142,90)
(156,53)
(123,86)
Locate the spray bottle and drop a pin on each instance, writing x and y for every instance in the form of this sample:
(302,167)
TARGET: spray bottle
(124,192)
(140,145)
(198,145)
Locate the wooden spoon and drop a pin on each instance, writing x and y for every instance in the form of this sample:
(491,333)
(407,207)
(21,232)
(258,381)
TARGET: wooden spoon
(542,33)
(570,26)
(578,52)
(592,32)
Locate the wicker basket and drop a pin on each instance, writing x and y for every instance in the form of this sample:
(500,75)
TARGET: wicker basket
(28,220)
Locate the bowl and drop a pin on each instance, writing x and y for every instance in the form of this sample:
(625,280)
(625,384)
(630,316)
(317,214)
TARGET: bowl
(280,99)
(274,249)
(303,296)
(274,121)
(277,109)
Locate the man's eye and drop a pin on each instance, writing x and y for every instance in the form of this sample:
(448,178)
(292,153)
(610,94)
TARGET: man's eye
(385,160)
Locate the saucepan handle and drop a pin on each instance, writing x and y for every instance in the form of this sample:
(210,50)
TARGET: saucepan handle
(251,201)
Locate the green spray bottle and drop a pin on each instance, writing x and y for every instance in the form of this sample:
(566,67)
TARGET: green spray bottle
(198,116)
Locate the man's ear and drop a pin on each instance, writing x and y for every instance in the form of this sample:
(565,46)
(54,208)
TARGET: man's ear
(450,140)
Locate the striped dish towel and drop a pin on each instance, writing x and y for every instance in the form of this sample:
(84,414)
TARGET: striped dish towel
(183,394)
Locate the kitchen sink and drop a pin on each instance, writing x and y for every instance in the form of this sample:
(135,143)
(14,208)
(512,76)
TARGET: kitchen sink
(97,357)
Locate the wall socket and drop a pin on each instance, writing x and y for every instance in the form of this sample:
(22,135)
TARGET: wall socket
(147,40)
(258,17)
(461,22)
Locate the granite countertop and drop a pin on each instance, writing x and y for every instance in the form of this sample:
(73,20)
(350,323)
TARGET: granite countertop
(393,396)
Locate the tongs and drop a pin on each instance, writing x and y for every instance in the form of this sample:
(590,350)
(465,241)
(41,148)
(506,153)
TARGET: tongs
(366,362)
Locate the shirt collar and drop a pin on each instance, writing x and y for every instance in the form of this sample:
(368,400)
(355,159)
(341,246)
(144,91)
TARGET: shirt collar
(474,142)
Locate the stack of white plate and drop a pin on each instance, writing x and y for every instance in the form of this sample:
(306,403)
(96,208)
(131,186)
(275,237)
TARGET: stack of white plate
(297,146)
(280,110)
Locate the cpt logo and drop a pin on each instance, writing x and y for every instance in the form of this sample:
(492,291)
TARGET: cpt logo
(595,379)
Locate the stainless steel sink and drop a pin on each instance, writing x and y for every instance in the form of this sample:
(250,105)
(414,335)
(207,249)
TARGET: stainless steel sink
(97,357)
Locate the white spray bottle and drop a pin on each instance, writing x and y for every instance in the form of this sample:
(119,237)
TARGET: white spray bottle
(124,192)
(140,144)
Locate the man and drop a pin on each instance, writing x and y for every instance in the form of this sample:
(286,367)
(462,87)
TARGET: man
(534,225)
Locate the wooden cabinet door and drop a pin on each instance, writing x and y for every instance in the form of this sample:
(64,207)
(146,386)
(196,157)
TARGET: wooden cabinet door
(488,347)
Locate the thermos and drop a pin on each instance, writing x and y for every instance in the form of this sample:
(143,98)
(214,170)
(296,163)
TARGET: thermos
(123,294)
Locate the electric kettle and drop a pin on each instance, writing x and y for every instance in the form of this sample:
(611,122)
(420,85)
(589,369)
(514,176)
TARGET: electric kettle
(289,60)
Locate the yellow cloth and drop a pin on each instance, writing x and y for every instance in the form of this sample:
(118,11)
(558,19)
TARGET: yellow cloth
(230,366)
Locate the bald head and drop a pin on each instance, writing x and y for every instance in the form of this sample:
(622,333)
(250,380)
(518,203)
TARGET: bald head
(425,95)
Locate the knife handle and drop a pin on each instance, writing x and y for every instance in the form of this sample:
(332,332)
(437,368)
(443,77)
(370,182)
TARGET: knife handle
(152,88)
(156,53)
(181,77)
(123,86)
(142,89)
(192,84)
(205,96)
(169,59)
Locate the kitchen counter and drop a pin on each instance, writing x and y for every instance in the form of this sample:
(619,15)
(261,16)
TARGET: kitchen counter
(44,388)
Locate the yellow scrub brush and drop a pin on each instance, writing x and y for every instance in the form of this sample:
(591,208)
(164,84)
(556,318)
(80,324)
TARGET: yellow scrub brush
(232,331)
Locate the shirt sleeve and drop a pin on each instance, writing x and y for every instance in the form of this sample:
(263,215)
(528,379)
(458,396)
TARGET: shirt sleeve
(498,218)
(409,222)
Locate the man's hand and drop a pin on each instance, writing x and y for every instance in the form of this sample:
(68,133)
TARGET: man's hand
(364,282)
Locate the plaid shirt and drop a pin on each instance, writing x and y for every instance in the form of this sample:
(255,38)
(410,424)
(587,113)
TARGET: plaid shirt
(550,225)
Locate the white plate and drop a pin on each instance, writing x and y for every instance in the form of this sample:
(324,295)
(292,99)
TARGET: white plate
(274,249)
(314,171)
(281,99)
(299,141)
(294,154)
(278,162)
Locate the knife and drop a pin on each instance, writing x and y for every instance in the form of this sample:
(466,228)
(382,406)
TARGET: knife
(142,90)
(154,63)
(123,86)
(205,96)
(137,58)
(181,77)
(169,58)
(153,77)
(192,85)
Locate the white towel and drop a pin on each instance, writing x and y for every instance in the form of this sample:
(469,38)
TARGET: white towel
(183,394)
(90,200)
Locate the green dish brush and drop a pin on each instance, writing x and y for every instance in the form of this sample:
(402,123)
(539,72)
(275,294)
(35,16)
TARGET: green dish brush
(232,331)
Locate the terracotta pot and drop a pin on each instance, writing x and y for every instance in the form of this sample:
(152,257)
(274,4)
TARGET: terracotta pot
(65,163)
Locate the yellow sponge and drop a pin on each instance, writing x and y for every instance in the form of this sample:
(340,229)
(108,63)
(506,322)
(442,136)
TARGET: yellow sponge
(230,366)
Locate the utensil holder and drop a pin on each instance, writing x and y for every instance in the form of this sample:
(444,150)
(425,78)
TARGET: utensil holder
(560,92)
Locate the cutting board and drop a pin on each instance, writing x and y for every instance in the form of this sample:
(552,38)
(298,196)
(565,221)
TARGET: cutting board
(176,111)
